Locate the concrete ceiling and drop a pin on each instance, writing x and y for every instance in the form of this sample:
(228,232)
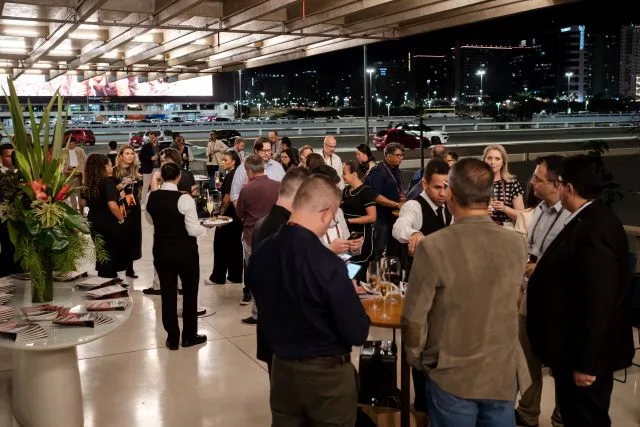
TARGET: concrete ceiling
(187,38)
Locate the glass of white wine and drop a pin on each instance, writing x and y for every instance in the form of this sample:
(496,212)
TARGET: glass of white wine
(216,202)
(392,273)
(373,278)
(385,290)
(210,206)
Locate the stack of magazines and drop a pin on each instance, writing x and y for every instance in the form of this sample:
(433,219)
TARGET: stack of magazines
(40,313)
(5,298)
(6,313)
(20,331)
(108,305)
(68,276)
(6,286)
(83,319)
(96,282)
(109,291)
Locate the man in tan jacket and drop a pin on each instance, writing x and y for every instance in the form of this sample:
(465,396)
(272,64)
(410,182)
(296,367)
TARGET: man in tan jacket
(460,320)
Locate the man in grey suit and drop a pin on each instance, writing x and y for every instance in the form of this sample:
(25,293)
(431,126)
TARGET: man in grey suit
(460,319)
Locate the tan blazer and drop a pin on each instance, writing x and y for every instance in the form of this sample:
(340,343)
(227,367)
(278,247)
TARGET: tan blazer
(460,320)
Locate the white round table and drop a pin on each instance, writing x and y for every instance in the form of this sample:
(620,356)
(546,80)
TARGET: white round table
(46,379)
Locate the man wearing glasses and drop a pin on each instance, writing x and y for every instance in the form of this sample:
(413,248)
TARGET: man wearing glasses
(331,158)
(385,182)
(274,171)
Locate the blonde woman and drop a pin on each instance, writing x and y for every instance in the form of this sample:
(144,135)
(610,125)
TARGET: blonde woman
(128,183)
(74,160)
(507,200)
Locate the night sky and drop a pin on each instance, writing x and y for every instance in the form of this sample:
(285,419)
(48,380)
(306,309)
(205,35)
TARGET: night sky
(597,15)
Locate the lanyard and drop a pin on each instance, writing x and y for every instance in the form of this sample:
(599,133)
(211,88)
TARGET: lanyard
(535,226)
(398,186)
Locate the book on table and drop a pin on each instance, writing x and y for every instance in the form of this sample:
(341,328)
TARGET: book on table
(83,319)
(39,313)
(108,291)
(91,283)
(6,313)
(107,305)
(68,276)
(21,331)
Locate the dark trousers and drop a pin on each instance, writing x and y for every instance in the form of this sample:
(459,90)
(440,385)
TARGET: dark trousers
(305,395)
(211,173)
(583,406)
(169,268)
(420,390)
(227,254)
(383,241)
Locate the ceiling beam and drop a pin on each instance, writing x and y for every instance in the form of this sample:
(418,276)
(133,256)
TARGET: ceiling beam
(255,12)
(335,13)
(83,11)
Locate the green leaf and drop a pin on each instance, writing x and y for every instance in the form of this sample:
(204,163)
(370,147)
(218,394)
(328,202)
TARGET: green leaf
(58,133)
(45,238)
(23,166)
(61,241)
(36,153)
(33,224)
(15,232)
(77,222)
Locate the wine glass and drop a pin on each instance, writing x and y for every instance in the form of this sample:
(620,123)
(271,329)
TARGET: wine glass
(216,202)
(385,289)
(373,278)
(210,206)
(392,273)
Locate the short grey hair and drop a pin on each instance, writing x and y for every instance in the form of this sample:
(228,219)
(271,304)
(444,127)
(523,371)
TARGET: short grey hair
(254,163)
(471,182)
(392,147)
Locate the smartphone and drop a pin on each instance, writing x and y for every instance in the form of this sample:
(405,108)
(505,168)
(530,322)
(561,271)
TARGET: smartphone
(354,236)
(345,257)
(353,270)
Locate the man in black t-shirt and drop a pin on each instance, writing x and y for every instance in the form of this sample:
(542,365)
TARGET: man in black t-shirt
(269,225)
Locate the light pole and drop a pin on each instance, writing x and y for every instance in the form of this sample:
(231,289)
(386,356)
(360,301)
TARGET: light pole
(428,90)
(389,109)
(481,73)
(568,76)
(370,71)
(379,101)
(258,110)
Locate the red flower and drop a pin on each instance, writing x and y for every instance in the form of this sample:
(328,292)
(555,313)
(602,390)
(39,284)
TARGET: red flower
(63,193)
(39,190)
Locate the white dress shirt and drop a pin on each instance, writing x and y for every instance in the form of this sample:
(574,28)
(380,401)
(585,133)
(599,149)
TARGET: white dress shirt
(339,230)
(73,159)
(273,170)
(547,222)
(335,162)
(575,214)
(410,219)
(187,207)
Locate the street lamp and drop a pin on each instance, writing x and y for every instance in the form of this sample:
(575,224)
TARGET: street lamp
(379,101)
(428,92)
(389,109)
(481,73)
(258,110)
(370,71)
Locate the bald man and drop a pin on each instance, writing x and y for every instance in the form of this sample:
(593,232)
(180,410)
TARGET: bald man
(331,158)
(310,314)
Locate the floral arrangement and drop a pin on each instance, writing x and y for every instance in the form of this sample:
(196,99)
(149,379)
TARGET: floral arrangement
(48,234)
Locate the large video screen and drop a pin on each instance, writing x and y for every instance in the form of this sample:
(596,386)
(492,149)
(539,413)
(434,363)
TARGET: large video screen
(36,85)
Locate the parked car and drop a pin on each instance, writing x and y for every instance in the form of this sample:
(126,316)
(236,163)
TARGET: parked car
(136,139)
(80,136)
(436,137)
(401,136)
(227,135)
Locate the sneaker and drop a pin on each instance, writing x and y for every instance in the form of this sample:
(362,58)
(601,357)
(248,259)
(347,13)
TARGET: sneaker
(246,299)
(249,321)
(151,291)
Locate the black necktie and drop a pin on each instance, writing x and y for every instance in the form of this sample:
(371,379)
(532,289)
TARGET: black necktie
(439,213)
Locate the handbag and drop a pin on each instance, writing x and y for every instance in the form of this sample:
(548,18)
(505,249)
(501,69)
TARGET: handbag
(378,379)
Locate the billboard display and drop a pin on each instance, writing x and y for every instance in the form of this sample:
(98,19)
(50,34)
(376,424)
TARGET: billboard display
(36,85)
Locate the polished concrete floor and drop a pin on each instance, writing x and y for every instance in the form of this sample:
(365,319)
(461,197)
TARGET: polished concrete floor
(129,379)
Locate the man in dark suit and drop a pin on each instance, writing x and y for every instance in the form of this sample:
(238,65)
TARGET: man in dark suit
(578,299)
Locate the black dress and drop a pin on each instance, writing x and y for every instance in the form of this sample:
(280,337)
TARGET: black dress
(104,223)
(227,243)
(133,222)
(505,191)
(354,205)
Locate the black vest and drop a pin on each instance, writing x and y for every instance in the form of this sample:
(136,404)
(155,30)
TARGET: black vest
(430,221)
(169,230)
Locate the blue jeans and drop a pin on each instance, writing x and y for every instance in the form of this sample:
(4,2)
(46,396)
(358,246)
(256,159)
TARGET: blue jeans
(447,410)
(383,241)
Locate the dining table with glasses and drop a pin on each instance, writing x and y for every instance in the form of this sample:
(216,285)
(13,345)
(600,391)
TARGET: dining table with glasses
(384,309)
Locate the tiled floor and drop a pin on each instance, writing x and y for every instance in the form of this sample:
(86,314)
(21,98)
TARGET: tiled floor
(130,379)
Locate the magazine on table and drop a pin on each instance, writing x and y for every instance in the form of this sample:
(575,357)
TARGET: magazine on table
(83,319)
(6,313)
(5,297)
(68,276)
(91,283)
(21,331)
(43,312)
(108,291)
(108,305)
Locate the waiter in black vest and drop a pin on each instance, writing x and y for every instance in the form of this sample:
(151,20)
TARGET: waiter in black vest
(176,227)
(419,217)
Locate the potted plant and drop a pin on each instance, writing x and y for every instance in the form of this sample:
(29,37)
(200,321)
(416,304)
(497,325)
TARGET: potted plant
(47,233)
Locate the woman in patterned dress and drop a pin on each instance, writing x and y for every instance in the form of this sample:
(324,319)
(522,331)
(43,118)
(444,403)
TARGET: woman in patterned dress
(507,200)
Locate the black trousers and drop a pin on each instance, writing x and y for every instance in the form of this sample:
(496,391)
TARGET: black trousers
(227,253)
(583,406)
(169,267)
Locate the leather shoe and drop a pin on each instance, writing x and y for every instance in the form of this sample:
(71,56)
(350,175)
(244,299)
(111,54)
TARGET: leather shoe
(132,274)
(195,340)
(151,291)
(172,345)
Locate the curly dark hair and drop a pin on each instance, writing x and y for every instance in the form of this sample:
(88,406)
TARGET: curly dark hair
(95,171)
